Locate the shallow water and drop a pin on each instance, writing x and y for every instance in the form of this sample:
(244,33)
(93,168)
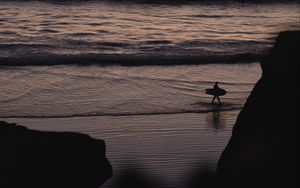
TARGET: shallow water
(72,91)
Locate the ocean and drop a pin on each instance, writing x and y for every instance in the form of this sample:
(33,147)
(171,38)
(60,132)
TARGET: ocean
(135,74)
(110,32)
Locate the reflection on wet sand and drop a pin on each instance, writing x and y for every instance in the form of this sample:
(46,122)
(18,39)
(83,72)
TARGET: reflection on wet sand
(215,120)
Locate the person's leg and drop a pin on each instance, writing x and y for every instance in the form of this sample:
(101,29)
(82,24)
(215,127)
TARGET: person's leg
(213,100)
(219,100)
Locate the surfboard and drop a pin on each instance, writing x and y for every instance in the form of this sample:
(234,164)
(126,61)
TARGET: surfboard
(217,92)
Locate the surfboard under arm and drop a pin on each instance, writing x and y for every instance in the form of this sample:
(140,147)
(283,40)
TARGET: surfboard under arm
(215,92)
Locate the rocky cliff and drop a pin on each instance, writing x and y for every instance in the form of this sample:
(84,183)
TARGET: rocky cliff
(36,159)
(264,148)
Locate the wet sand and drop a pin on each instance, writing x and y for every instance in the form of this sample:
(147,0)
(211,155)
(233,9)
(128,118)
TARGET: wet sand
(167,148)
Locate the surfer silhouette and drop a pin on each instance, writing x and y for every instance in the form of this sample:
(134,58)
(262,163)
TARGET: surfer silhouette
(216,87)
(216,92)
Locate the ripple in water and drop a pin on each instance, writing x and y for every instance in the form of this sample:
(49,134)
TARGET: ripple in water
(138,32)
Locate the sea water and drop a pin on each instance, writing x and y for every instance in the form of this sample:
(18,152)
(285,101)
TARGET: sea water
(80,91)
(107,32)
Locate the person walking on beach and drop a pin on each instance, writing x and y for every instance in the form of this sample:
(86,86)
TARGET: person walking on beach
(216,89)
(216,92)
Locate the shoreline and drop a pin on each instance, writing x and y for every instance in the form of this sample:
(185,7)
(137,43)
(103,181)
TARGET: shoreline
(123,115)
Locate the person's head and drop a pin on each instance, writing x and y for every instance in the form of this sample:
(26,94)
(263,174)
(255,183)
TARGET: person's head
(216,83)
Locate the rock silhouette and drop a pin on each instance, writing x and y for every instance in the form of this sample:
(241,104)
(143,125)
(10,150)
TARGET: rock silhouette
(264,148)
(37,159)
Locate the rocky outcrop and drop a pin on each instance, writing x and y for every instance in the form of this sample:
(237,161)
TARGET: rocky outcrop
(264,148)
(36,159)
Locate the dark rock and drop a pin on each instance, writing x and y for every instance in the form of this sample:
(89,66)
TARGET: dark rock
(264,148)
(37,159)
(131,178)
